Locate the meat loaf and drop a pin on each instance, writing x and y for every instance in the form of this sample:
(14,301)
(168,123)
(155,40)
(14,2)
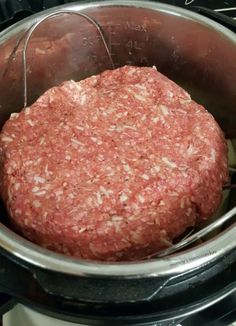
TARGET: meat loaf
(113,167)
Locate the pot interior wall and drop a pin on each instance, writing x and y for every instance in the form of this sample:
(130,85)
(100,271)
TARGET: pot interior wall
(196,56)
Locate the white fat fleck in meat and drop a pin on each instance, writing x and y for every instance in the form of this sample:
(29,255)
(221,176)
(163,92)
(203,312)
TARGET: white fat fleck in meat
(169,94)
(40,51)
(183,167)
(35,189)
(30,122)
(112,128)
(17,186)
(42,141)
(40,193)
(187,95)
(59,193)
(75,228)
(66,127)
(38,160)
(169,163)
(36,203)
(14,116)
(68,157)
(39,179)
(161,203)
(140,86)
(144,117)
(76,85)
(164,109)
(189,211)
(76,143)
(110,171)
(109,224)
(100,157)
(143,90)
(149,132)
(9,170)
(145,176)
(129,127)
(92,248)
(81,230)
(83,99)
(45,214)
(13,164)
(108,111)
(27,110)
(163,233)
(182,202)
(166,242)
(132,217)
(136,95)
(190,150)
(213,155)
(156,169)
(116,224)
(105,191)
(26,221)
(139,97)
(127,168)
(155,119)
(6,139)
(136,237)
(123,197)
(96,140)
(131,71)
(162,119)
(94,118)
(185,101)
(99,198)
(117,218)
(46,170)
(79,128)
(18,211)
(181,111)
(141,199)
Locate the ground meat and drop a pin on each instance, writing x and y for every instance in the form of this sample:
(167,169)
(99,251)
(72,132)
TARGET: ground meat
(113,167)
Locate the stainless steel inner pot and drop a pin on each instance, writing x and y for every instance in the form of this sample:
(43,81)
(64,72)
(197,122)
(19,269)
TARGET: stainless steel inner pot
(195,52)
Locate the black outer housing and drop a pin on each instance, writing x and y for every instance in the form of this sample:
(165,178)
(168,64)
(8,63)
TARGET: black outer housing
(108,301)
(11,11)
(119,302)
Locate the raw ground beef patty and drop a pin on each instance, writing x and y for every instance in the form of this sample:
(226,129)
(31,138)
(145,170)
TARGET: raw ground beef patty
(113,167)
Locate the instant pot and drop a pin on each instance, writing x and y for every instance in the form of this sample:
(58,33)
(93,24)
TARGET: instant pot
(196,52)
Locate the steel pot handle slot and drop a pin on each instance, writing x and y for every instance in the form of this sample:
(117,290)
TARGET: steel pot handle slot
(102,290)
